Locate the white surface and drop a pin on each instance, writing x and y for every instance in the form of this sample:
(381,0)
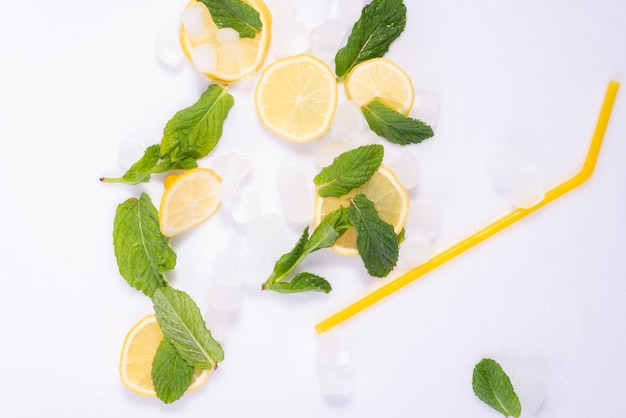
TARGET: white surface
(546,298)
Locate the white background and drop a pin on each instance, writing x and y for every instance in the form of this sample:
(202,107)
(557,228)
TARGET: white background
(546,298)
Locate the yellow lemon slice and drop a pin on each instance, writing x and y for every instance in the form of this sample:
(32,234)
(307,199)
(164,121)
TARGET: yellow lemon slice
(390,199)
(382,79)
(296,97)
(138,351)
(233,58)
(189,199)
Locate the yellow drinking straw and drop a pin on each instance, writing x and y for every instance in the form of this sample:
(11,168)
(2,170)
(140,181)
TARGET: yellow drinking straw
(491,229)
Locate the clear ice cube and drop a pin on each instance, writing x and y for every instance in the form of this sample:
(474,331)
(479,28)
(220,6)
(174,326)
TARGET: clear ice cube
(347,11)
(233,166)
(296,198)
(167,49)
(415,251)
(289,38)
(407,170)
(424,219)
(194,19)
(526,191)
(426,107)
(327,38)
(348,120)
(246,206)
(227,35)
(131,150)
(204,57)
(334,366)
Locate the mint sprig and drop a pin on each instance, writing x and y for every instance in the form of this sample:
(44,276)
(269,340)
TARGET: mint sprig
(381,22)
(394,126)
(171,374)
(349,171)
(492,386)
(235,14)
(142,252)
(376,240)
(330,229)
(183,326)
(189,135)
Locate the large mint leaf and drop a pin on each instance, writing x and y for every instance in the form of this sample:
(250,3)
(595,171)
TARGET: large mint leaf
(492,386)
(381,22)
(349,171)
(194,131)
(376,240)
(235,14)
(171,375)
(182,324)
(393,126)
(302,282)
(142,252)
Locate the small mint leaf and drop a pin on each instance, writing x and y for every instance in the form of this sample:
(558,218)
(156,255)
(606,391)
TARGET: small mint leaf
(393,126)
(381,22)
(235,14)
(349,171)
(302,282)
(376,240)
(182,324)
(171,375)
(142,252)
(492,386)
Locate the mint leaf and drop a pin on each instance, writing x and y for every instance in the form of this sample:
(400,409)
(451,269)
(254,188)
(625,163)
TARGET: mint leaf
(171,375)
(394,126)
(235,14)
(142,252)
(302,282)
(194,131)
(376,240)
(492,386)
(349,171)
(325,235)
(381,22)
(182,324)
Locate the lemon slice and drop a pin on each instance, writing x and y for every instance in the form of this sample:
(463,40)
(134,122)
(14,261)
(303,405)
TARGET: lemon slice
(381,79)
(234,58)
(296,97)
(189,199)
(138,351)
(390,199)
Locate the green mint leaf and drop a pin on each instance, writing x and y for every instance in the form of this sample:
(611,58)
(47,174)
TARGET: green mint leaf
(381,22)
(376,240)
(302,282)
(394,126)
(194,131)
(235,14)
(142,252)
(141,170)
(492,386)
(332,226)
(171,375)
(182,324)
(349,171)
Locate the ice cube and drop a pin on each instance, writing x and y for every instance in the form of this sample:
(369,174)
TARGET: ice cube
(334,365)
(406,169)
(293,186)
(256,267)
(327,38)
(347,11)
(195,20)
(502,169)
(131,150)
(246,206)
(415,251)
(328,148)
(526,191)
(367,137)
(219,322)
(204,57)
(233,166)
(167,49)
(282,10)
(426,107)
(267,234)
(424,219)
(289,38)
(348,120)
(227,35)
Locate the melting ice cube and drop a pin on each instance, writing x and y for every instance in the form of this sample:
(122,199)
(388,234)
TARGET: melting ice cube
(334,365)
